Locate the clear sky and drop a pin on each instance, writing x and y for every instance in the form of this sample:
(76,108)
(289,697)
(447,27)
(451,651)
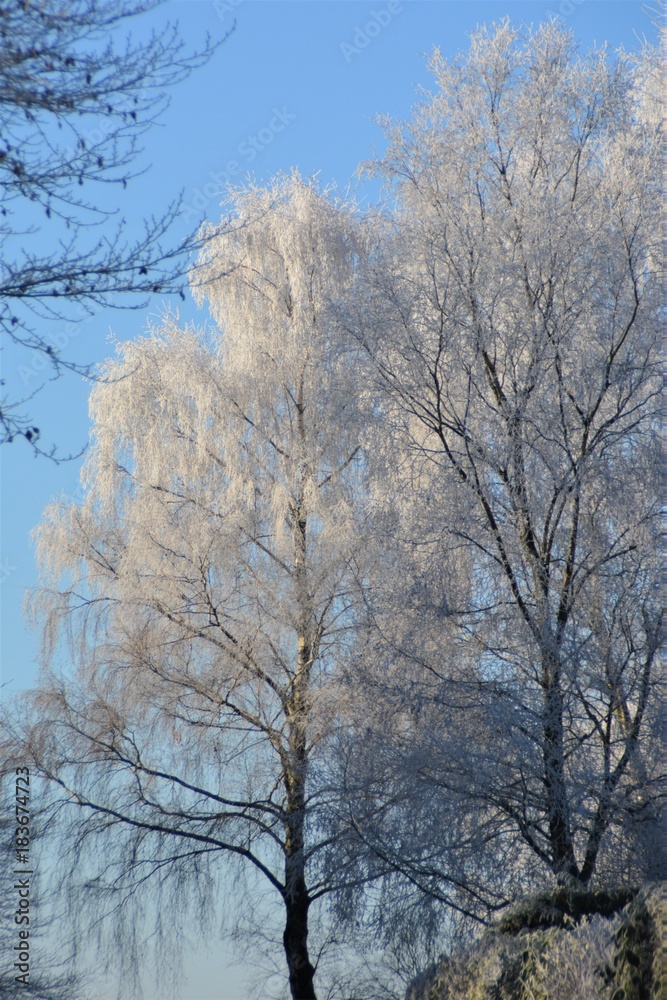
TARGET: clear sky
(297,84)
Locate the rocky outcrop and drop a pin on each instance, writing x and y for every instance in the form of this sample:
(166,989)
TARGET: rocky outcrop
(563,945)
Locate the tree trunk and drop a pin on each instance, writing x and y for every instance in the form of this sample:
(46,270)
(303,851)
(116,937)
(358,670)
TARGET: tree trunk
(560,835)
(297,900)
(295,940)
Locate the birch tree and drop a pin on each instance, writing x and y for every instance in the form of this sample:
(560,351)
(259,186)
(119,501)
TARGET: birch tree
(204,586)
(510,306)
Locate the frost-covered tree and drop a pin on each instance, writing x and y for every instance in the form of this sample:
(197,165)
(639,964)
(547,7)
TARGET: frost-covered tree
(203,589)
(364,583)
(509,303)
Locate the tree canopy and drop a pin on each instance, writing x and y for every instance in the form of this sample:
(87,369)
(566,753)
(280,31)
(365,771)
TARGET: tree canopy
(510,308)
(362,595)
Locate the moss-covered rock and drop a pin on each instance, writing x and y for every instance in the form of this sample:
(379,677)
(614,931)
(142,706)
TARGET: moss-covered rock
(637,968)
(564,945)
(563,907)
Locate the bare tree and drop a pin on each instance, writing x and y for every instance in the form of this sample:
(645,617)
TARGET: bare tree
(74,102)
(510,307)
(205,585)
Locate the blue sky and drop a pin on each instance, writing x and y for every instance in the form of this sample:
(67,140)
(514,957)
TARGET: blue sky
(297,84)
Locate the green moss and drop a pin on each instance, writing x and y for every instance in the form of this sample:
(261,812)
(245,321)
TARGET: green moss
(529,953)
(636,970)
(520,978)
(563,908)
